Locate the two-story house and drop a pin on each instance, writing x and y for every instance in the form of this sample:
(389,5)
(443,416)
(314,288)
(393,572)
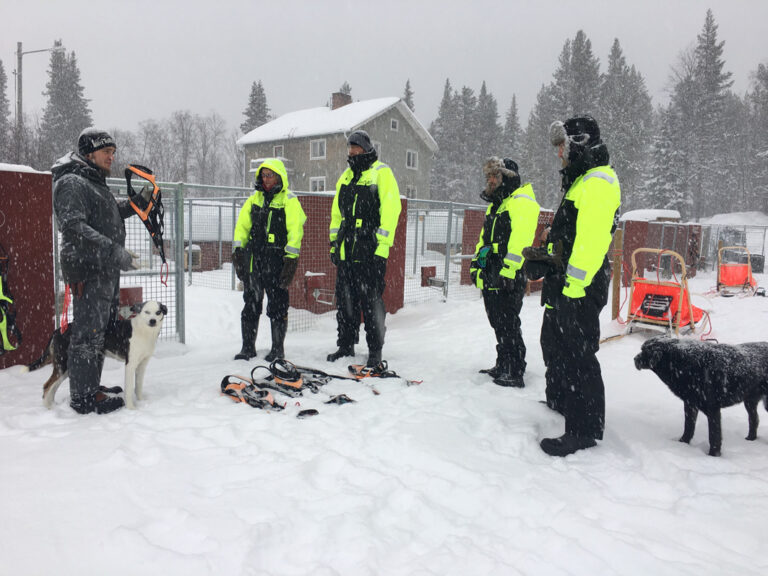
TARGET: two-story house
(313,143)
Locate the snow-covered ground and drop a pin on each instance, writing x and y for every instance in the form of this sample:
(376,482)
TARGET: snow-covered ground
(442,478)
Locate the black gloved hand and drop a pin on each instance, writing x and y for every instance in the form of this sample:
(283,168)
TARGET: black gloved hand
(335,258)
(239,263)
(126,259)
(380,265)
(288,271)
(541,254)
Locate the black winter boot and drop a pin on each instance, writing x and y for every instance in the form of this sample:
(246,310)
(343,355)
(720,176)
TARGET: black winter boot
(374,358)
(492,372)
(279,328)
(341,353)
(249,331)
(99,403)
(566,444)
(507,376)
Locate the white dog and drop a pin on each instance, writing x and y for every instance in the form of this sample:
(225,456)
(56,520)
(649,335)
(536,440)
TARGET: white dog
(132,340)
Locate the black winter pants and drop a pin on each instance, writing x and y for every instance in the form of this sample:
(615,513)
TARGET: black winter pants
(94,308)
(570,336)
(503,310)
(360,288)
(264,278)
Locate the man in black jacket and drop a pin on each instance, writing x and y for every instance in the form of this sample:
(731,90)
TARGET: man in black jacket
(92,254)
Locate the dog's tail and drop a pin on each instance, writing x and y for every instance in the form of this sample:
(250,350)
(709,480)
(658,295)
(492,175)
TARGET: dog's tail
(43,360)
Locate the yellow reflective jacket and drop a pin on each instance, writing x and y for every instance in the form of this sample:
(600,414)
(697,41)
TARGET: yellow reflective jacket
(584,225)
(275,228)
(364,213)
(506,231)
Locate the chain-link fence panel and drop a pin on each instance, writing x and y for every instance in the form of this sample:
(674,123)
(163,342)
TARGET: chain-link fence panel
(440,241)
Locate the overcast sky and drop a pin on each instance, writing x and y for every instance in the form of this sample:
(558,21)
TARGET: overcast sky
(144,59)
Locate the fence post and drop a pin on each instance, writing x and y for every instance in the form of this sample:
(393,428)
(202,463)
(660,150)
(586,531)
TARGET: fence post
(234,224)
(220,246)
(179,275)
(618,259)
(189,242)
(416,242)
(447,273)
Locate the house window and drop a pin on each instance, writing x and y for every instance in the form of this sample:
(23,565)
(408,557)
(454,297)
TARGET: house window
(316,149)
(394,125)
(412,159)
(277,151)
(410,191)
(317,184)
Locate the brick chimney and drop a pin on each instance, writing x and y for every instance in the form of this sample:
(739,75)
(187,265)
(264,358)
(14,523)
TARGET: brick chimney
(339,99)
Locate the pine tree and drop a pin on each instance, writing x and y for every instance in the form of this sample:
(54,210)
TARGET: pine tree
(511,142)
(66,113)
(585,71)
(712,89)
(408,96)
(487,131)
(257,111)
(626,121)
(758,135)
(346,89)
(444,178)
(540,162)
(5,118)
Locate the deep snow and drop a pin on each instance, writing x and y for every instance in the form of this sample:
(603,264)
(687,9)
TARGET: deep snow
(442,478)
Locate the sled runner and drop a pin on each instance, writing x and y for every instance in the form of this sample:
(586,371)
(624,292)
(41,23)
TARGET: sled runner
(659,303)
(735,277)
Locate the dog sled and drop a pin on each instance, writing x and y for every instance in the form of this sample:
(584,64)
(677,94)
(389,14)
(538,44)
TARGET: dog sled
(661,304)
(735,277)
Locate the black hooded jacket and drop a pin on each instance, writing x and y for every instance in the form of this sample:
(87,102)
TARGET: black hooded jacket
(89,218)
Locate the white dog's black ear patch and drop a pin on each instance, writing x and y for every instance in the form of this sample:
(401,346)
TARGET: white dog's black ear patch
(136,308)
(164,309)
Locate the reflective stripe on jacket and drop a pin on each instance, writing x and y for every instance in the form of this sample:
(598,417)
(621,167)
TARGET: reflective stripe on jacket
(507,229)
(274,225)
(364,213)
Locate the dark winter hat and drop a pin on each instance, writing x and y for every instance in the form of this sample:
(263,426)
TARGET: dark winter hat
(92,139)
(581,130)
(361,138)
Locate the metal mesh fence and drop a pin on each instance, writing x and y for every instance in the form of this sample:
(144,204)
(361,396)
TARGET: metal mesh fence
(435,250)
(439,241)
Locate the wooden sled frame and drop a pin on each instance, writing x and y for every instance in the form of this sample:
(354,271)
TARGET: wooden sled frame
(684,298)
(749,286)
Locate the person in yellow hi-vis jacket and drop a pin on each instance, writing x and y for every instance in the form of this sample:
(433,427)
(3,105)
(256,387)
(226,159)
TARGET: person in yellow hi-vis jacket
(364,217)
(576,283)
(266,246)
(497,268)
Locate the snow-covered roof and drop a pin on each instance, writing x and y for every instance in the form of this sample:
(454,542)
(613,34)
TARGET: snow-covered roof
(323,120)
(650,215)
(737,219)
(19,168)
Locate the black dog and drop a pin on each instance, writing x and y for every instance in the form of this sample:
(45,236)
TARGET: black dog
(707,377)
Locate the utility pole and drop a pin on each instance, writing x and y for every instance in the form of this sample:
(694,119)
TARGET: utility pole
(19,109)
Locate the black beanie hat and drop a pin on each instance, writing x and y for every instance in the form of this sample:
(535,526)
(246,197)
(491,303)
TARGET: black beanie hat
(361,138)
(92,139)
(583,130)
